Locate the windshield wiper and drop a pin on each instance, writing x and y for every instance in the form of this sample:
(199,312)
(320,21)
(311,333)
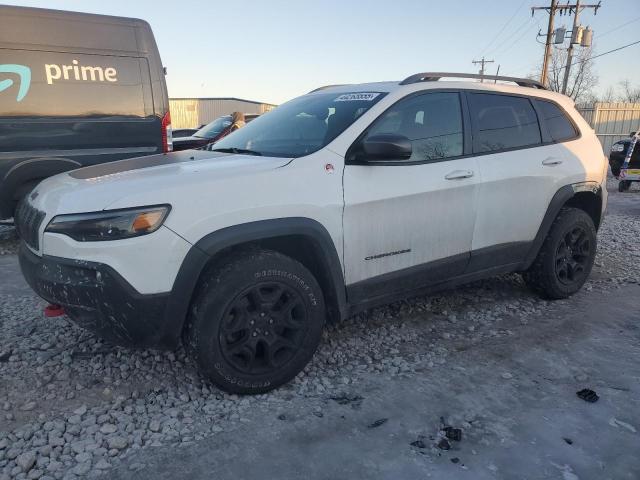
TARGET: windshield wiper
(236,150)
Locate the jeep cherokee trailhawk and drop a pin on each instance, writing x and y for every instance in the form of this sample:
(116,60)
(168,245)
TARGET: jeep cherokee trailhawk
(336,201)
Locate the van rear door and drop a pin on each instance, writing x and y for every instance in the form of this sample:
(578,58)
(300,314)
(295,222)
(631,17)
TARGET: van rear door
(88,108)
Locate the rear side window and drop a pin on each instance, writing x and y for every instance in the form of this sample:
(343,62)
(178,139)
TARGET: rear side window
(502,122)
(433,123)
(559,126)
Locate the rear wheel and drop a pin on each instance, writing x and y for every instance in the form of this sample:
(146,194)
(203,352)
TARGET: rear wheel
(566,257)
(256,321)
(615,168)
(624,185)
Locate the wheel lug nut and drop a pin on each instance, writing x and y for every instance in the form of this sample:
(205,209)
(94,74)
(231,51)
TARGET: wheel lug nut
(271,320)
(251,322)
(262,314)
(255,334)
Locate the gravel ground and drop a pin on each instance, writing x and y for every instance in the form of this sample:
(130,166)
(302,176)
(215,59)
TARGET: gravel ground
(73,406)
(8,240)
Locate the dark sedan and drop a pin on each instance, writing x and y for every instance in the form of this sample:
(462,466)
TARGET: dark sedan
(210,133)
(618,154)
(184,132)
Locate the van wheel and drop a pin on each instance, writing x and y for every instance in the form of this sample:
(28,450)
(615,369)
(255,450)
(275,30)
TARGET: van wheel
(256,321)
(566,257)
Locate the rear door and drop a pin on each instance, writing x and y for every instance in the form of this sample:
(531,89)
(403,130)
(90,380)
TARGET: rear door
(519,172)
(409,223)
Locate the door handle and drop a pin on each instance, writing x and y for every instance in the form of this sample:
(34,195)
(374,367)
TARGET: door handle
(551,161)
(459,174)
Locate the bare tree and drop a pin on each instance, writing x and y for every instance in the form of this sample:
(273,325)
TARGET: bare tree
(582,78)
(630,93)
(608,96)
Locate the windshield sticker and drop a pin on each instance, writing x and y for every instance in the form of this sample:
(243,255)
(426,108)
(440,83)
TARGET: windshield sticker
(356,97)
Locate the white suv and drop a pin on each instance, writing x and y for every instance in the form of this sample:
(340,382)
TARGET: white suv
(344,198)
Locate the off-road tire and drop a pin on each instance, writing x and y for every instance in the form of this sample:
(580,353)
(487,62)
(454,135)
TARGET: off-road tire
(246,361)
(545,274)
(615,169)
(624,185)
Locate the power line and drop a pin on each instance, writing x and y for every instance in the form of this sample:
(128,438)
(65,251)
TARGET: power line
(616,28)
(514,71)
(519,39)
(576,33)
(504,42)
(522,66)
(599,55)
(503,27)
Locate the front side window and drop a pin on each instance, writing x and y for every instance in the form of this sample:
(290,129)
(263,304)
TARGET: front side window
(559,126)
(431,121)
(300,126)
(502,122)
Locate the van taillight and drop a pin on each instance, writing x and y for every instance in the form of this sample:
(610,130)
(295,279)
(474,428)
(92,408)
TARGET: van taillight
(167,133)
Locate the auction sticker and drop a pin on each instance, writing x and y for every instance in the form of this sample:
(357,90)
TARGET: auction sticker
(356,97)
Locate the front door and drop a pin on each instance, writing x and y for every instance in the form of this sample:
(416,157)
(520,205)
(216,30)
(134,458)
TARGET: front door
(410,222)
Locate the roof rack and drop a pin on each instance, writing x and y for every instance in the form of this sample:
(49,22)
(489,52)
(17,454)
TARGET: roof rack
(435,76)
(327,86)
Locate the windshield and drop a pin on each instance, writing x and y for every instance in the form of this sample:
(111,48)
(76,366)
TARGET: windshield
(301,126)
(214,128)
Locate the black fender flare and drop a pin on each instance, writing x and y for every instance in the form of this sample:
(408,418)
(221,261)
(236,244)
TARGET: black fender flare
(209,246)
(561,197)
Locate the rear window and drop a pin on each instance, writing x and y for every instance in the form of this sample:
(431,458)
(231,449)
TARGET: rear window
(559,126)
(502,122)
(54,84)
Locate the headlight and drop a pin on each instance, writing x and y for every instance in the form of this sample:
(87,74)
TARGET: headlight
(110,224)
(617,147)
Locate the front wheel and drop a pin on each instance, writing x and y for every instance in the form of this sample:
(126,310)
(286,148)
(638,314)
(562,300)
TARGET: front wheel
(256,321)
(566,256)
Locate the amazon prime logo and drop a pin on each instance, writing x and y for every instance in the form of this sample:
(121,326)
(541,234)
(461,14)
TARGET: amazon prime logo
(24,77)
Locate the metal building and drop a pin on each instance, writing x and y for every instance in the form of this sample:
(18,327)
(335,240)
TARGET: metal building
(193,112)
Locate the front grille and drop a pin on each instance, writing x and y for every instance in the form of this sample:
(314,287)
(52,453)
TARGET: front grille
(28,220)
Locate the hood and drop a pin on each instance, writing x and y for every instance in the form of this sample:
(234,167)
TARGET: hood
(154,179)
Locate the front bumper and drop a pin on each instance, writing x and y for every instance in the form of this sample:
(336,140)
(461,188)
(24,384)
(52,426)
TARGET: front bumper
(97,298)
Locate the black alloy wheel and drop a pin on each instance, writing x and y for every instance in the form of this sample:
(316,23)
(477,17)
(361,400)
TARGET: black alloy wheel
(573,256)
(263,328)
(566,256)
(255,321)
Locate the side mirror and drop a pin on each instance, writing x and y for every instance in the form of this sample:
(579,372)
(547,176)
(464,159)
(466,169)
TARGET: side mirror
(386,146)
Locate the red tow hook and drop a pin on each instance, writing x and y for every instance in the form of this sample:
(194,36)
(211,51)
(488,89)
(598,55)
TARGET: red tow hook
(53,310)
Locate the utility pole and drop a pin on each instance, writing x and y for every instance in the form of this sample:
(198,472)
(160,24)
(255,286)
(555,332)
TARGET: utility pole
(482,63)
(576,14)
(547,46)
(552,10)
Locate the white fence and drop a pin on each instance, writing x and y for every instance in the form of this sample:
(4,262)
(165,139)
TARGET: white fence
(611,121)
